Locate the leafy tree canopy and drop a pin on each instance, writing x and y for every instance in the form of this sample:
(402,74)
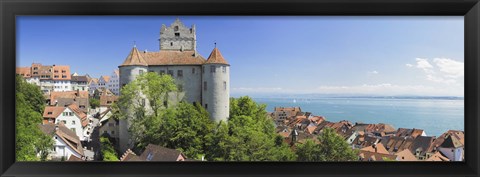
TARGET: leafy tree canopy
(331,147)
(30,141)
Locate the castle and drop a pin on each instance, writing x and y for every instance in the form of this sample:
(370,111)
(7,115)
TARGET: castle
(199,80)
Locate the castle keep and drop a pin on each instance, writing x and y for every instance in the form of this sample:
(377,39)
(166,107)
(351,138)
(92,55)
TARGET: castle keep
(199,80)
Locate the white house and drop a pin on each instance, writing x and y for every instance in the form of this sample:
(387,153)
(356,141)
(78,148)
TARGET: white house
(113,84)
(62,85)
(453,145)
(71,116)
(92,86)
(79,83)
(103,81)
(66,143)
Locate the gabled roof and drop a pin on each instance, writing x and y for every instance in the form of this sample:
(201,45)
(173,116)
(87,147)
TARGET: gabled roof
(67,135)
(405,155)
(135,58)
(105,78)
(80,78)
(83,117)
(129,155)
(116,72)
(423,144)
(216,58)
(67,94)
(378,148)
(373,156)
(438,157)
(94,80)
(52,111)
(159,153)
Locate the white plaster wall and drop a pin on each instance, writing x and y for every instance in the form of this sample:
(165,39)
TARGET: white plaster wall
(113,84)
(61,86)
(58,142)
(69,123)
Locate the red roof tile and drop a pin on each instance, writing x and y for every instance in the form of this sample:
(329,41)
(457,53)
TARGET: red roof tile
(216,58)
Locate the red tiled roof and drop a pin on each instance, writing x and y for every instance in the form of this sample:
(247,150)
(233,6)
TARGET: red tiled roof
(24,71)
(438,157)
(379,149)
(67,94)
(61,73)
(169,57)
(135,58)
(216,58)
(83,117)
(405,155)
(106,78)
(52,111)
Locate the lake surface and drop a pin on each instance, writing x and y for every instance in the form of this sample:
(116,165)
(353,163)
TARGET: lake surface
(435,116)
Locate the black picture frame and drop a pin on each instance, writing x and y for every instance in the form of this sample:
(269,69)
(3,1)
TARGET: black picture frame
(470,9)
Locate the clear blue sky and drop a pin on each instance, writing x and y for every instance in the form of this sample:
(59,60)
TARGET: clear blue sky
(330,55)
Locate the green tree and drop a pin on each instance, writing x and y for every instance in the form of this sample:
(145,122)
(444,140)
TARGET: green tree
(167,121)
(331,147)
(30,141)
(107,150)
(249,135)
(94,103)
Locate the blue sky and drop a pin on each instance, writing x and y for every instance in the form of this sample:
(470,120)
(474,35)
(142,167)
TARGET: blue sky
(271,55)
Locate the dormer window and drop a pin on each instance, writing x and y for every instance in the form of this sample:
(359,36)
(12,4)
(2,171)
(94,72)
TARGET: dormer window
(49,113)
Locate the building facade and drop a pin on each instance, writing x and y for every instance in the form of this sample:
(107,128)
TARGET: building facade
(199,80)
(113,84)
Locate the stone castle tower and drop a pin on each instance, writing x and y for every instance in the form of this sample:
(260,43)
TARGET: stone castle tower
(200,80)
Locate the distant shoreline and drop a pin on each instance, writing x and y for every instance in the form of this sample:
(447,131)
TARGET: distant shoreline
(355,97)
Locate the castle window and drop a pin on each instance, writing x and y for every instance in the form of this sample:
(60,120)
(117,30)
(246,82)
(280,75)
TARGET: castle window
(170,72)
(180,73)
(180,87)
(206,106)
(193,70)
(205,86)
(203,69)
(225,85)
(224,69)
(177,34)
(212,69)
(176,28)
(171,43)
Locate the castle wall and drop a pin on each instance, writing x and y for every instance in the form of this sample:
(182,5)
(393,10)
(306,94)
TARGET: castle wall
(216,96)
(127,75)
(190,81)
(177,36)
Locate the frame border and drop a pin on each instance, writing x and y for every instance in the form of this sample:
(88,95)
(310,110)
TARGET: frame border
(470,9)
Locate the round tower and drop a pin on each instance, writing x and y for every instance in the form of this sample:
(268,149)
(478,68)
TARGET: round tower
(216,86)
(133,66)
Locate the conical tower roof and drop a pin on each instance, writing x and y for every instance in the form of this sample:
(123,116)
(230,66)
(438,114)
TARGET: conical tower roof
(216,57)
(135,58)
